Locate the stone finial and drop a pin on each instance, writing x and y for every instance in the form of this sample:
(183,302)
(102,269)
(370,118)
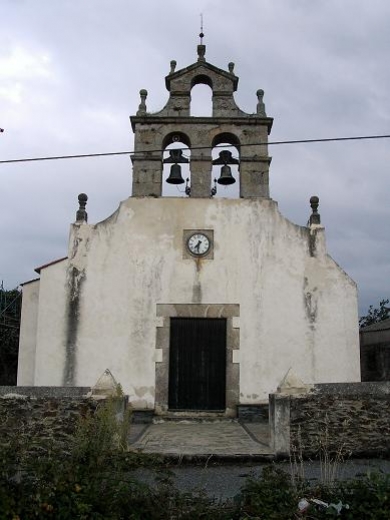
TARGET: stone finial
(142,106)
(260,109)
(81,214)
(315,217)
(201,52)
(292,384)
(231,67)
(173,66)
(105,386)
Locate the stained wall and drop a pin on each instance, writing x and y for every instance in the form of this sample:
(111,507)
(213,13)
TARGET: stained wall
(99,308)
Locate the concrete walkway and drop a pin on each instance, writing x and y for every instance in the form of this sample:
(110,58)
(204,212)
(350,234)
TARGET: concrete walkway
(180,439)
(224,481)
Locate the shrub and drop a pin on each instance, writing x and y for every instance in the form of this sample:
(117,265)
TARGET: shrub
(368,498)
(272,496)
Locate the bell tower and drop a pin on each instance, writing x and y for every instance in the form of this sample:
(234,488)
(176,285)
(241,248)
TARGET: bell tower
(228,125)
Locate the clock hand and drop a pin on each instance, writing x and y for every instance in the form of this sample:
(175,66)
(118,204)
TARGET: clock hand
(198,245)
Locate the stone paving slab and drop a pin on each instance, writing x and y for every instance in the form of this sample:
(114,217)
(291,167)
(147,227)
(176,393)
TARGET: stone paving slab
(228,439)
(260,432)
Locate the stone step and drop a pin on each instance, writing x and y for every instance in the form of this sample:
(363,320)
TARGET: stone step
(245,414)
(253,413)
(206,418)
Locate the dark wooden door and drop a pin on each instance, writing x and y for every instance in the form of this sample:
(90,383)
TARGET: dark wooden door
(197,364)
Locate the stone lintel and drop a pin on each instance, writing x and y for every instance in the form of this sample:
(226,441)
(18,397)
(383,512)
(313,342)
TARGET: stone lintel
(251,120)
(257,158)
(145,157)
(179,93)
(195,310)
(222,93)
(46,392)
(201,157)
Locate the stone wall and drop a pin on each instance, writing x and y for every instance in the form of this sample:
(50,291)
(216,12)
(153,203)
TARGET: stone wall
(33,417)
(37,420)
(353,418)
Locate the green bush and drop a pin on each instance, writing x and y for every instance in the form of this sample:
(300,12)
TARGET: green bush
(275,496)
(368,498)
(272,496)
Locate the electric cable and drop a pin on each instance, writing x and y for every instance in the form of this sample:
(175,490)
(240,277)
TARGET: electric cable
(186,148)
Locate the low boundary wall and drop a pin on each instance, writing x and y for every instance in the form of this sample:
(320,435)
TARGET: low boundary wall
(47,413)
(353,418)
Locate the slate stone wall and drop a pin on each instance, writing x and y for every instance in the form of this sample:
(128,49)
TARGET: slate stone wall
(253,413)
(353,418)
(36,421)
(32,418)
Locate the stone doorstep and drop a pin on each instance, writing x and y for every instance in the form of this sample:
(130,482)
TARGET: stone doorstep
(149,416)
(185,417)
(212,459)
(245,414)
(200,440)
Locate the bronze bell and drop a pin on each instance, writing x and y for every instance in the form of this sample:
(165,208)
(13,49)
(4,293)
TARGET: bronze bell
(226,176)
(175,175)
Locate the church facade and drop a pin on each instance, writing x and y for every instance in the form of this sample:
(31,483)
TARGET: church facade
(196,303)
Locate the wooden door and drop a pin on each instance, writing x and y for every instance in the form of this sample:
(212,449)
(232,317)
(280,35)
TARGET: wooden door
(197,364)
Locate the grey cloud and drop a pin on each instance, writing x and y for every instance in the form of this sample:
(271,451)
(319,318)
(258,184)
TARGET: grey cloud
(324,69)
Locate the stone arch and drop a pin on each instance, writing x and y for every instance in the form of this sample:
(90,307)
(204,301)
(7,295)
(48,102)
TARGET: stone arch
(226,141)
(202,79)
(201,104)
(226,137)
(172,141)
(173,137)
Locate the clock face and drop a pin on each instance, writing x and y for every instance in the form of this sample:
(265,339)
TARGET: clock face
(198,244)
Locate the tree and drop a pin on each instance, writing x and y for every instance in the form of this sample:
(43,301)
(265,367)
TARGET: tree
(10,307)
(375,315)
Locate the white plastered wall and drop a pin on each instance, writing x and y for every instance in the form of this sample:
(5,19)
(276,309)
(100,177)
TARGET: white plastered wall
(28,334)
(296,311)
(51,326)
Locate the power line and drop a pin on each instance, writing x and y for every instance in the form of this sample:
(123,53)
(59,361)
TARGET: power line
(128,152)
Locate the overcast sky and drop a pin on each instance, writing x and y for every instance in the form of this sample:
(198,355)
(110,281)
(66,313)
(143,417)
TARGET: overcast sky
(70,75)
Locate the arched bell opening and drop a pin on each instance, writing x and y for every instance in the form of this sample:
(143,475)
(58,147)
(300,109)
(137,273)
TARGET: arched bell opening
(226,167)
(201,104)
(176,165)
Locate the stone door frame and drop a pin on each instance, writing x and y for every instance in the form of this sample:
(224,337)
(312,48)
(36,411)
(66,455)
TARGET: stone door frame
(164,314)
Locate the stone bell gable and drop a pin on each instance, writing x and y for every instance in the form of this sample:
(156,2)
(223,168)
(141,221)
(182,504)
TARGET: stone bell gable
(228,124)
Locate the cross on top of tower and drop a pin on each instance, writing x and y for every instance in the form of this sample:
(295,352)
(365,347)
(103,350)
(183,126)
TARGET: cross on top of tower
(201,47)
(201,34)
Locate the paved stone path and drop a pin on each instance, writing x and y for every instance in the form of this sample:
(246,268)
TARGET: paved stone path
(188,438)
